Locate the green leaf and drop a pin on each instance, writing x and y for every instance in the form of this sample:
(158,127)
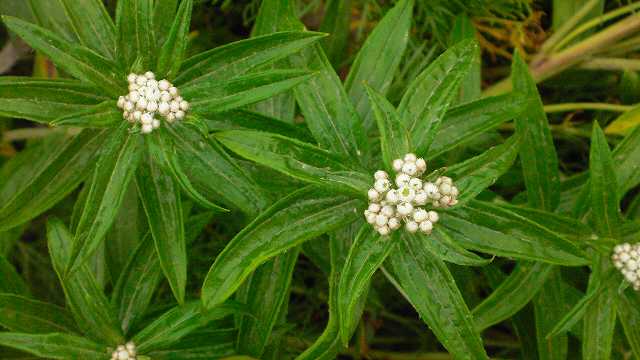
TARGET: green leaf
(296,218)
(118,160)
(378,59)
(471,87)
(21,314)
(266,293)
(164,12)
(336,20)
(78,61)
(394,139)
(242,57)
(11,283)
(93,25)
(249,120)
(212,174)
(425,281)
(629,313)
(85,299)
(49,15)
(211,96)
(495,230)
(366,255)
(463,123)
(44,100)
(441,245)
(605,210)
(161,201)
(54,346)
(103,115)
(512,295)
(428,97)
(296,159)
(549,305)
(174,48)
(200,345)
(54,180)
(134,22)
(537,153)
(178,322)
(478,173)
(125,234)
(600,314)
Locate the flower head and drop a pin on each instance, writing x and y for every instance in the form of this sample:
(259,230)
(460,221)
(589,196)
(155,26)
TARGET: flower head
(124,352)
(626,258)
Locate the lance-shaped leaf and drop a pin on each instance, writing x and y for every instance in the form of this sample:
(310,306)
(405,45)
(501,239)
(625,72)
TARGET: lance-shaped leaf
(512,295)
(471,87)
(599,320)
(629,312)
(336,20)
(178,322)
(44,100)
(117,163)
(327,346)
(164,13)
(210,174)
(210,95)
(249,120)
(428,97)
(103,115)
(378,59)
(464,123)
(425,281)
(297,159)
(394,139)
(537,154)
(174,48)
(605,210)
(300,216)
(478,173)
(134,23)
(241,57)
(366,255)
(85,299)
(55,179)
(441,245)
(200,345)
(21,314)
(93,25)
(266,294)
(54,345)
(140,277)
(78,61)
(162,203)
(494,230)
(12,283)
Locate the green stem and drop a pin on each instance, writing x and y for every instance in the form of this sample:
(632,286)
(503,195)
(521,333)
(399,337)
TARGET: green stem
(566,107)
(613,64)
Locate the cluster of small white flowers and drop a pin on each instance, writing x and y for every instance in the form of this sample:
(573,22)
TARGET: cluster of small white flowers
(388,206)
(626,258)
(124,352)
(146,97)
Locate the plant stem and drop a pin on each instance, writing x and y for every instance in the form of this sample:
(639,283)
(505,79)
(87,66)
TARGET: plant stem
(611,64)
(566,107)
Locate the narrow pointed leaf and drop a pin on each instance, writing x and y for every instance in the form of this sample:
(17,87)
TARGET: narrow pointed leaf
(599,320)
(538,154)
(54,180)
(394,139)
(249,120)
(103,115)
(21,314)
(379,58)
(242,57)
(471,87)
(54,345)
(478,173)
(512,295)
(300,216)
(115,168)
(134,24)
(297,159)
(174,48)
(425,281)
(605,210)
(336,20)
(161,201)
(93,25)
(44,100)
(366,255)
(164,13)
(495,230)
(11,283)
(428,97)
(200,345)
(441,245)
(629,312)
(85,299)
(78,61)
(463,123)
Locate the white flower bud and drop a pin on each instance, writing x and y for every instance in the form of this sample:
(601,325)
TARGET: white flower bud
(445,189)
(147,128)
(374,207)
(121,102)
(415,184)
(421,197)
(381,185)
(406,194)
(426,227)
(381,220)
(173,91)
(165,97)
(404,208)
(397,165)
(184,105)
(146,118)
(392,196)
(383,230)
(373,194)
(411,226)
(171,118)
(134,96)
(141,80)
(179,114)
(433,216)
(402,180)
(410,157)
(388,211)
(152,106)
(131,78)
(394,223)
(163,108)
(142,104)
(150,75)
(164,85)
(379,175)
(175,106)
(421,165)
(371,217)
(409,168)
(420,215)
(430,189)
(153,84)
(137,115)
(155,123)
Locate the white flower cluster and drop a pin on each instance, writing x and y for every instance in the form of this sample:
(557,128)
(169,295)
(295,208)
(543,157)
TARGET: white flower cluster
(626,258)
(388,206)
(148,96)
(124,352)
